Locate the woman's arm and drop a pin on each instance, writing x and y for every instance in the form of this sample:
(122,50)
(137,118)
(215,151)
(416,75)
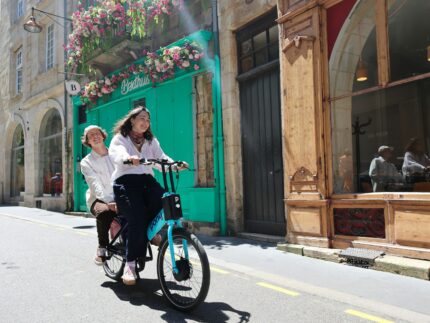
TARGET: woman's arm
(118,149)
(93,181)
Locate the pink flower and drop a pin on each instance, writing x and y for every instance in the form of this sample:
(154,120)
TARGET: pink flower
(196,67)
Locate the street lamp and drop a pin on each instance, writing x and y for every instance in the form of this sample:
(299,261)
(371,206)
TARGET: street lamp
(33,26)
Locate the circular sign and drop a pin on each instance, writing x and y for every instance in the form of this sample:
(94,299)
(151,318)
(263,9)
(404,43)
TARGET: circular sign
(73,87)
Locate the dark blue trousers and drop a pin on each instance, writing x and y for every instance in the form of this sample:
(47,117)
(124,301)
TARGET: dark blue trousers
(138,198)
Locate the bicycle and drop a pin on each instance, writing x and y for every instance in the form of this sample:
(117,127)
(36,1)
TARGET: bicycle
(182,265)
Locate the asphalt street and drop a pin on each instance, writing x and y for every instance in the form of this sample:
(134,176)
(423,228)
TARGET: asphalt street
(48,276)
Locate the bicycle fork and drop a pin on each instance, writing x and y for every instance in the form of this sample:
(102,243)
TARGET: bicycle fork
(171,225)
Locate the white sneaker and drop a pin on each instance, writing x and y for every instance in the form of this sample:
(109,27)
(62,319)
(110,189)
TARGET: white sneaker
(129,276)
(99,259)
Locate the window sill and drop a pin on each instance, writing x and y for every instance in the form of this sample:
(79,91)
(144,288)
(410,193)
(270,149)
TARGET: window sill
(383,196)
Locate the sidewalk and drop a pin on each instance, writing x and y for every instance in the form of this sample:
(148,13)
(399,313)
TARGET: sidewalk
(388,263)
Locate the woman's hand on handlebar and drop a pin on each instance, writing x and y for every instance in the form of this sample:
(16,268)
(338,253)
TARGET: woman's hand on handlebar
(134,160)
(183,165)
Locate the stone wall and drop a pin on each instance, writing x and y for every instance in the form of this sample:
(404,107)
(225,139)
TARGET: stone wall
(234,15)
(42,90)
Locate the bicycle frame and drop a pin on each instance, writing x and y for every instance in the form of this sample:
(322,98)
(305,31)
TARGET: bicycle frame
(159,221)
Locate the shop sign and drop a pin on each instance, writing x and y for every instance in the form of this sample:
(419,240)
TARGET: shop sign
(131,85)
(73,87)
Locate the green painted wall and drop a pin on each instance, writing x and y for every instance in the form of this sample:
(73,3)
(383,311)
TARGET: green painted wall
(172,121)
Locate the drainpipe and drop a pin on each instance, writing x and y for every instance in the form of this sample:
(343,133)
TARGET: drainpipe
(66,111)
(218,131)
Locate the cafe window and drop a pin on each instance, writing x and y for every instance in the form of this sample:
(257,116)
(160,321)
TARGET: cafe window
(17,163)
(381,112)
(51,160)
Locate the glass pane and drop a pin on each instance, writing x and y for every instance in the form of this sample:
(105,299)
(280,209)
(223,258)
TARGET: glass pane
(274,52)
(409,36)
(245,47)
(260,41)
(353,61)
(274,34)
(261,57)
(246,64)
(373,145)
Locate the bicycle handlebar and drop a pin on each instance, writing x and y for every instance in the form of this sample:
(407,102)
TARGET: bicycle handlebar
(162,162)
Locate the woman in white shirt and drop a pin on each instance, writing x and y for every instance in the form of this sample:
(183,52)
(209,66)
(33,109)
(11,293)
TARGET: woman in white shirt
(137,193)
(97,169)
(416,163)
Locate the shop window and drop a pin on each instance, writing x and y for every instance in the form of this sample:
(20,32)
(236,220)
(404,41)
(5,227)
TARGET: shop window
(258,44)
(409,37)
(140,102)
(82,114)
(17,163)
(51,161)
(204,130)
(353,61)
(381,135)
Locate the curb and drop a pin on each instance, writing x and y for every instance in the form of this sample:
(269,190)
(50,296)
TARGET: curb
(387,263)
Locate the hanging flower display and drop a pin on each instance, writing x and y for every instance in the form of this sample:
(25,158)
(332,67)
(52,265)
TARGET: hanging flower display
(158,66)
(99,25)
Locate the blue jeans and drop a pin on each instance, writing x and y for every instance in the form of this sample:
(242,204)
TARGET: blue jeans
(138,198)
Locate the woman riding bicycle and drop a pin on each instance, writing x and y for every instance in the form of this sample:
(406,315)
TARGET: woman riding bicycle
(137,193)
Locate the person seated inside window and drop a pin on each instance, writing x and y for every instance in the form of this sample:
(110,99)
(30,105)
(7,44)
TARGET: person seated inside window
(383,173)
(416,163)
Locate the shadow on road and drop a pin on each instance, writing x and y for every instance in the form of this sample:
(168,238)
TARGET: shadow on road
(220,243)
(147,293)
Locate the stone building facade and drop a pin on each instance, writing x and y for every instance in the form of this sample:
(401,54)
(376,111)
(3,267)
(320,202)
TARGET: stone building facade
(247,29)
(34,110)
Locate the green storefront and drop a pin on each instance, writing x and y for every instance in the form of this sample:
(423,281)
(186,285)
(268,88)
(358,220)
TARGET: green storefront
(185,117)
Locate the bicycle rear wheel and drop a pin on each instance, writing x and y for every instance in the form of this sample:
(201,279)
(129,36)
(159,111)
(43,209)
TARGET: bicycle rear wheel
(189,287)
(115,260)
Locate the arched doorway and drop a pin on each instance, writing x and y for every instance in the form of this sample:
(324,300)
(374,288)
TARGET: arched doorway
(17,172)
(50,155)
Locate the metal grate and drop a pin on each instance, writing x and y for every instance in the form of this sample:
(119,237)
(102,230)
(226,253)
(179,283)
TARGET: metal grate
(360,257)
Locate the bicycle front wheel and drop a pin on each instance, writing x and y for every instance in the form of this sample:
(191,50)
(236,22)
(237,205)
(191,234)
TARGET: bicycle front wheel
(187,288)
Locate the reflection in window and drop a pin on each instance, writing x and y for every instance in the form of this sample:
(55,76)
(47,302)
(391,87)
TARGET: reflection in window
(381,139)
(51,154)
(409,36)
(354,53)
(18,163)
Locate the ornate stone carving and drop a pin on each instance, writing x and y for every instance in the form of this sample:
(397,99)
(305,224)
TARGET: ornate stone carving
(296,40)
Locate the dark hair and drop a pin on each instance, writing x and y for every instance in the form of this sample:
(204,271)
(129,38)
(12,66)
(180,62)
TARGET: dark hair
(411,146)
(123,126)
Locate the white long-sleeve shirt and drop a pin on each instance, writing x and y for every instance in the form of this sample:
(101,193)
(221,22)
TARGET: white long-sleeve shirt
(98,170)
(414,164)
(122,148)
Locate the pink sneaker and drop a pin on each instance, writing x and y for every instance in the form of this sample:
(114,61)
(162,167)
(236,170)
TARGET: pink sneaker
(100,257)
(129,276)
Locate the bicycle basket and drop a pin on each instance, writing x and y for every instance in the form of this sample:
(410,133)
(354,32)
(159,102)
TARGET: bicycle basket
(172,207)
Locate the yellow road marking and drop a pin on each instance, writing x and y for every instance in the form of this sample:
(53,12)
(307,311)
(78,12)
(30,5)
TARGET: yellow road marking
(278,289)
(220,271)
(82,233)
(367,316)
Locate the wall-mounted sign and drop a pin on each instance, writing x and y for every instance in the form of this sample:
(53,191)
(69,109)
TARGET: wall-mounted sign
(130,85)
(73,87)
